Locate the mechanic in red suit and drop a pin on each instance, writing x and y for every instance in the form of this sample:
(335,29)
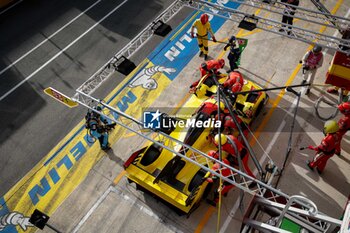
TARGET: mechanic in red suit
(344,122)
(230,127)
(210,107)
(226,145)
(211,66)
(226,186)
(234,82)
(329,145)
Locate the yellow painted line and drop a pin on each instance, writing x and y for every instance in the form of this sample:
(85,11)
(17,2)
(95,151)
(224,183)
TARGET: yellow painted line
(271,101)
(129,135)
(205,219)
(185,25)
(119,177)
(275,104)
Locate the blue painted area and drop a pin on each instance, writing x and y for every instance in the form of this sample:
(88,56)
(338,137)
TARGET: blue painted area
(4,210)
(64,145)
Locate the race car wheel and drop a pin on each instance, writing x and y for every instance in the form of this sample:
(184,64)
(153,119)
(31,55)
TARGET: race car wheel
(150,155)
(259,109)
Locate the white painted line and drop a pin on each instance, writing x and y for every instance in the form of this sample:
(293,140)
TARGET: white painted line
(93,208)
(62,51)
(145,210)
(48,38)
(10,7)
(228,219)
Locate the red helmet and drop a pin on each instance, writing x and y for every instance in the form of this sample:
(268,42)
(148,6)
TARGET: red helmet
(214,154)
(204,18)
(237,87)
(222,63)
(344,108)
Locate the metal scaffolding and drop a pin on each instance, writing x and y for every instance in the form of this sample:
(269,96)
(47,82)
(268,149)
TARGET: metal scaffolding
(296,33)
(321,17)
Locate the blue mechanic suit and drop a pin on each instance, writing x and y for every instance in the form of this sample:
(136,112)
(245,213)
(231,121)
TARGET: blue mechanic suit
(98,130)
(234,54)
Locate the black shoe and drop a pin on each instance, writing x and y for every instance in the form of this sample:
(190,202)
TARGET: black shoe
(289,32)
(201,53)
(211,202)
(205,57)
(319,171)
(106,148)
(309,166)
(303,82)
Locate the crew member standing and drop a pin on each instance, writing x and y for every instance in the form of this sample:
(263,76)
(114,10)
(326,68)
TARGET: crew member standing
(343,123)
(327,148)
(227,146)
(234,54)
(288,14)
(98,128)
(311,61)
(225,186)
(203,28)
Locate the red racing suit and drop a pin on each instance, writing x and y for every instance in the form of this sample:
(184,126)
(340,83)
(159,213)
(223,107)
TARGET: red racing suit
(208,109)
(344,126)
(226,186)
(209,67)
(230,126)
(329,145)
(234,82)
(232,157)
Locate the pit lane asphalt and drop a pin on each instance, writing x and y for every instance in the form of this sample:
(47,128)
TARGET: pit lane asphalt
(32,122)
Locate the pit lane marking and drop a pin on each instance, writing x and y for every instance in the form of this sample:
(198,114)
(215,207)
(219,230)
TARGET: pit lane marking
(132,201)
(119,177)
(48,38)
(92,209)
(8,8)
(60,52)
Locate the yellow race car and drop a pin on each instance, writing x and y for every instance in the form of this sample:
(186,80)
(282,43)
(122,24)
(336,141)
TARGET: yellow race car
(248,105)
(173,179)
(170,177)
